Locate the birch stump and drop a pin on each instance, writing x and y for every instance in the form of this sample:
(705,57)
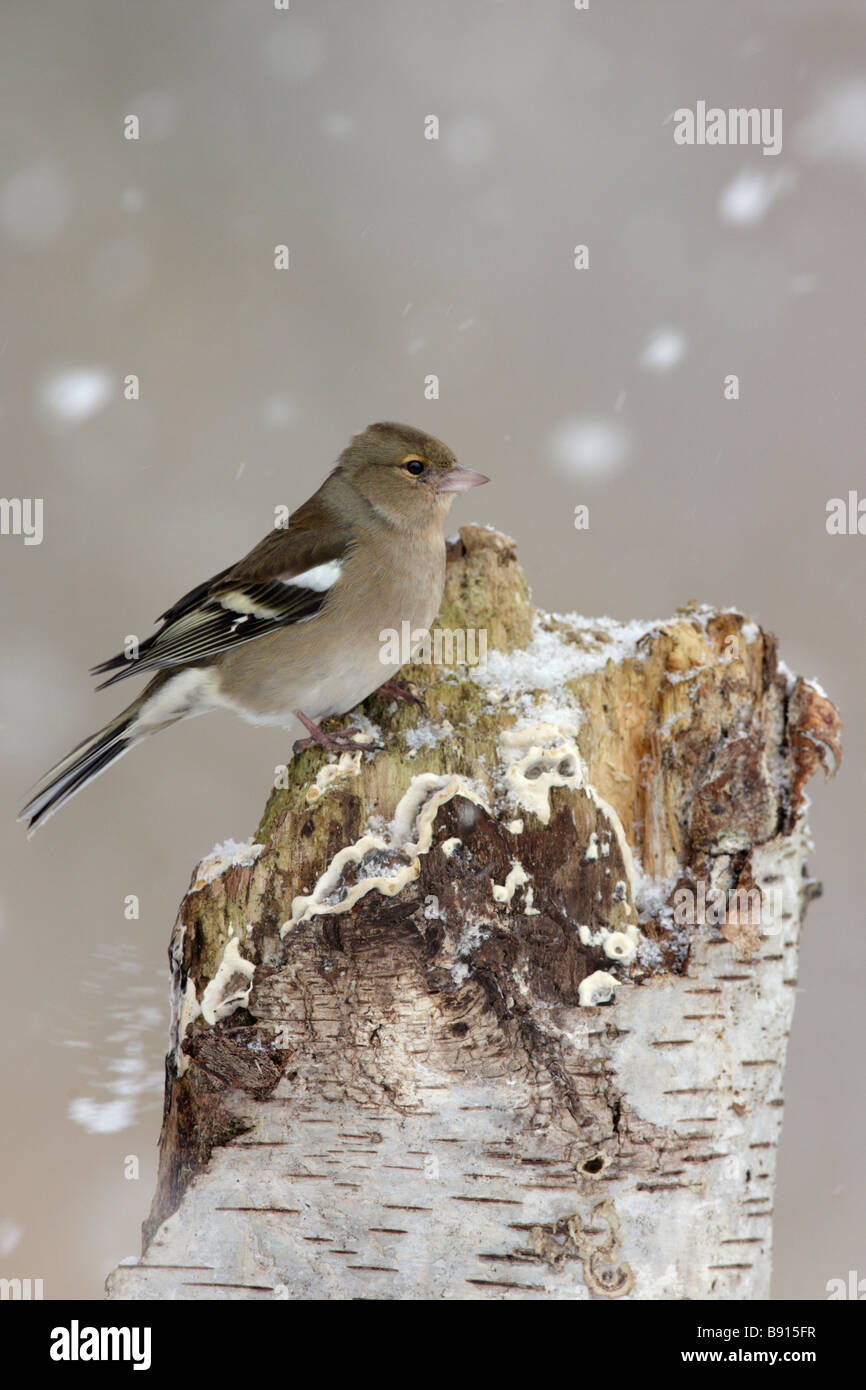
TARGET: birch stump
(501,1011)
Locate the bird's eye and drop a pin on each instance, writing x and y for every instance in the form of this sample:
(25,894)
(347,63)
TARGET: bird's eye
(414,466)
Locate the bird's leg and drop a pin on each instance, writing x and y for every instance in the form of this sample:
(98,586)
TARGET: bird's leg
(398,691)
(340,742)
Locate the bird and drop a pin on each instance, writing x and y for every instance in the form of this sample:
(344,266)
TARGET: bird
(291,634)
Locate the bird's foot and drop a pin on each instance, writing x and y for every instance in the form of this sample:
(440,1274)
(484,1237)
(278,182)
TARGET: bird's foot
(396,690)
(343,741)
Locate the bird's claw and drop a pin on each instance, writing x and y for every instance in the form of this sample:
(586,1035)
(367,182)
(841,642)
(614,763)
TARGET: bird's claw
(396,690)
(343,741)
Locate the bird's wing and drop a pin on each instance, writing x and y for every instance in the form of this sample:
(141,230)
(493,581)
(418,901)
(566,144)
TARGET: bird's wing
(285,579)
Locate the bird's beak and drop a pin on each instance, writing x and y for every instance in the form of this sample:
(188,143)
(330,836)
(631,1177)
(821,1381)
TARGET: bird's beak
(460,479)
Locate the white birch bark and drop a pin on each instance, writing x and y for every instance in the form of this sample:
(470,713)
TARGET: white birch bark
(443,1036)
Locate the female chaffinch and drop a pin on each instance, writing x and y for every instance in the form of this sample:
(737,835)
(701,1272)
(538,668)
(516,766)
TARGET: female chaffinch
(291,634)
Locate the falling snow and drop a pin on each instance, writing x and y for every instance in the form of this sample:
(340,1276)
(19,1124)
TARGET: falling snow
(76,394)
(589,449)
(665,349)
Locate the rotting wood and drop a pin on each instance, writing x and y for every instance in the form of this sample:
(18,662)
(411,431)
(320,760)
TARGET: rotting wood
(507,1070)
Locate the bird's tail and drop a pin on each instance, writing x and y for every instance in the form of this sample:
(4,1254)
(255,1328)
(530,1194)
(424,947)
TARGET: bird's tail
(83,764)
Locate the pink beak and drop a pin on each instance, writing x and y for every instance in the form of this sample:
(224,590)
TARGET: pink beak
(460,479)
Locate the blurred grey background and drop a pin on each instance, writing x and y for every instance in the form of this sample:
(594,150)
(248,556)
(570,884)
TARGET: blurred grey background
(408,257)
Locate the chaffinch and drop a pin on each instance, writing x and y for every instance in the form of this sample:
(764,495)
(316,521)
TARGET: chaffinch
(292,633)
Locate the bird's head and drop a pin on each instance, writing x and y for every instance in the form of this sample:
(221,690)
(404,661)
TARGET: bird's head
(407,476)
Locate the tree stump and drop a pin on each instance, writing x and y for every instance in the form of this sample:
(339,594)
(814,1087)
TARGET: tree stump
(501,1011)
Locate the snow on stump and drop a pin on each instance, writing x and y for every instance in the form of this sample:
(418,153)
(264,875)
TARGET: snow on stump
(501,1011)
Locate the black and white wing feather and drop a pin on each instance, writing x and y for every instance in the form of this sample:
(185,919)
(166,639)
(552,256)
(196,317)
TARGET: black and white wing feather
(286,579)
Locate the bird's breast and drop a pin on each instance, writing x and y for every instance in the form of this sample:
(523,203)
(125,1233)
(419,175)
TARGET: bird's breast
(360,639)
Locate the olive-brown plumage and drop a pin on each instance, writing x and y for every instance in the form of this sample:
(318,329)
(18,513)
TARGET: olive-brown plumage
(292,632)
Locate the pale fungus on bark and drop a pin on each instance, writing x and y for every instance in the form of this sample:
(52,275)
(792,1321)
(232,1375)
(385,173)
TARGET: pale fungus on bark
(441,1029)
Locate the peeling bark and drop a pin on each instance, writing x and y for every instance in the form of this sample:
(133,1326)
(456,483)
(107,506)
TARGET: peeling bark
(446,1034)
